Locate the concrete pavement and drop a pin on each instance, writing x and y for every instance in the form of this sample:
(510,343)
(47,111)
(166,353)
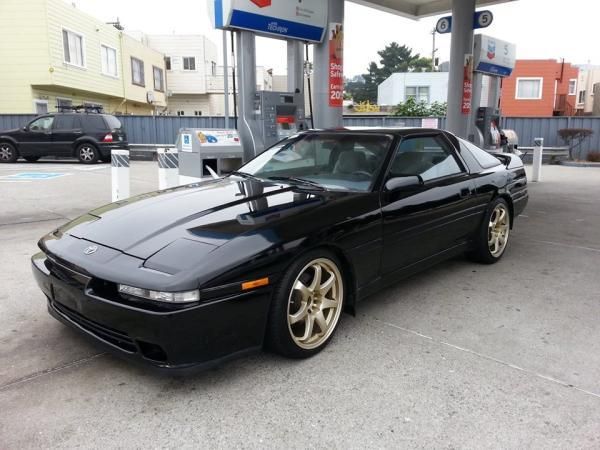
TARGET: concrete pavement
(461,355)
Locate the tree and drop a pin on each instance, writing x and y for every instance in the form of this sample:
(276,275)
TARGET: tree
(394,58)
(574,137)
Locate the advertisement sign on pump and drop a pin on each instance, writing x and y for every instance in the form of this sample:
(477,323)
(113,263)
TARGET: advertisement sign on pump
(467,94)
(305,20)
(336,64)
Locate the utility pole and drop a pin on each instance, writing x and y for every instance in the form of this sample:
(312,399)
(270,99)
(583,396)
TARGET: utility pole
(433,50)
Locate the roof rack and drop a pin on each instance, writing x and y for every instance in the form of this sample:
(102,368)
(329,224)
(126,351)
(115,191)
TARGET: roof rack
(87,108)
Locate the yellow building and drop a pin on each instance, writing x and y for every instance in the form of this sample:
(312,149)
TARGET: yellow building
(60,55)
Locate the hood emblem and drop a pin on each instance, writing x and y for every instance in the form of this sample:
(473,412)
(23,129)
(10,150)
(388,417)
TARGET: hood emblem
(90,250)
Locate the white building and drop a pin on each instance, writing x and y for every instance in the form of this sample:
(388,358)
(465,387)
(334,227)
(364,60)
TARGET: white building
(428,87)
(422,86)
(194,80)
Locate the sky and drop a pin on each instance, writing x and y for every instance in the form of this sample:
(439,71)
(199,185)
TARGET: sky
(541,29)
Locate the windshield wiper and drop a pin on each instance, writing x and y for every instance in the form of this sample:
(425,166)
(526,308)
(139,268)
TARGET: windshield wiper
(245,175)
(298,180)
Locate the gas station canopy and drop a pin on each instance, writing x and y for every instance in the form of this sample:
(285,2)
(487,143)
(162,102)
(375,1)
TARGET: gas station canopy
(416,9)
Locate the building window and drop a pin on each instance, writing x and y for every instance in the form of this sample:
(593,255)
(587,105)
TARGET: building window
(137,72)
(572,86)
(197,113)
(63,104)
(40,106)
(73,48)
(189,63)
(529,89)
(213,68)
(168,62)
(109,60)
(418,93)
(159,79)
(181,113)
(581,98)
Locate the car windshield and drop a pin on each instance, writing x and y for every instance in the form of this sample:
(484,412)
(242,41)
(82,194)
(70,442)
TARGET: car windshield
(335,161)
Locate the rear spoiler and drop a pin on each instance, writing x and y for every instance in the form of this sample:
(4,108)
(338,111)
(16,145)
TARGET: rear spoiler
(510,160)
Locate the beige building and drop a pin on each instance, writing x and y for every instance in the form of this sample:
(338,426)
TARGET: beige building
(62,56)
(589,77)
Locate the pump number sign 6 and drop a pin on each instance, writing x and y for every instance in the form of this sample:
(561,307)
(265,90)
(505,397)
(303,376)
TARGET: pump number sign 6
(336,64)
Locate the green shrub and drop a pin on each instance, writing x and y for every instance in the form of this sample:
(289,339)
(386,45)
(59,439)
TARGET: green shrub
(593,156)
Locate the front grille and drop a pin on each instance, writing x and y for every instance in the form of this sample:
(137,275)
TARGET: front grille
(111,335)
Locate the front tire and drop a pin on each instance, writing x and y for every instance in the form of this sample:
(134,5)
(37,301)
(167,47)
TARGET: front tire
(492,238)
(8,153)
(87,154)
(307,305)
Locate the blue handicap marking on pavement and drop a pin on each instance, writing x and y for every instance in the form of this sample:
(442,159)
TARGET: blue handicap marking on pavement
(27,176)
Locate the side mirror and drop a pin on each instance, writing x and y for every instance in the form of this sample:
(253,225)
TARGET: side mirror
(25,128)
(394,184)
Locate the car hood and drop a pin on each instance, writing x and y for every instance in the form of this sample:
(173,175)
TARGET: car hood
(211,213)
(11,131)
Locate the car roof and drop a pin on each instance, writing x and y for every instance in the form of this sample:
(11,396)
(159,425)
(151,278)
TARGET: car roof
(397,131)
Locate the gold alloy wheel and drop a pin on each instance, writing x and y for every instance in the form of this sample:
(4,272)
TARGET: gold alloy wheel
(498,230)
(315,303)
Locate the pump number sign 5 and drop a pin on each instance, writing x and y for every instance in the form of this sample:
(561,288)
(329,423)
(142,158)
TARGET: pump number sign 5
(336,65)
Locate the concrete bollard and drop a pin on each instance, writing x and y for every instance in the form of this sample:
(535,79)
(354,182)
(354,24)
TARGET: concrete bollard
(538,150)
(119,161)
(168,168)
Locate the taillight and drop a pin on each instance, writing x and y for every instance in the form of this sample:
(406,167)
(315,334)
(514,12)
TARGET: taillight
(108,138)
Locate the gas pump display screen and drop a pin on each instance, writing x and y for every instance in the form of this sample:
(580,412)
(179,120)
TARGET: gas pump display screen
(287,99)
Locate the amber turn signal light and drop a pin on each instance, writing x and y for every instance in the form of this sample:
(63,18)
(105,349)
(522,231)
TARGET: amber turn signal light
(255,283)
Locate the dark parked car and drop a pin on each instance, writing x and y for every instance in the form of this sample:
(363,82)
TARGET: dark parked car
(272,254)
(88,136)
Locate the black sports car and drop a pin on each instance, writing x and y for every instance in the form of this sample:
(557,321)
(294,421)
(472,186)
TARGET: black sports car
(273,253)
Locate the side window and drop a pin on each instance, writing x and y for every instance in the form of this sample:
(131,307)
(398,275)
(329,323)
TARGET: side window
(66,122)
(428,156)
(42,124)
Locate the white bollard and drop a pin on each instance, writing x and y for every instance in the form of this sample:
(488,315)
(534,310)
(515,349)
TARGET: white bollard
(168,168)
(538,150)
(119,161)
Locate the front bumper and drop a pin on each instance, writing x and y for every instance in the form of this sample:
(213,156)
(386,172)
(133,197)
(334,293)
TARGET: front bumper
(189,338)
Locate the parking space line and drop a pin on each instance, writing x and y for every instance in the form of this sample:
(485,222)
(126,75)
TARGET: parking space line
(560,244)
(489,358)
(41,373)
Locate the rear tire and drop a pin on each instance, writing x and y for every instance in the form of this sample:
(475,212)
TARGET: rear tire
(307,305)
(31,159)
(8,153)
(87,154)
(492,237)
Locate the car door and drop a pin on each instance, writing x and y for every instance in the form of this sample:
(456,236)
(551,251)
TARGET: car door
(36,138)
(427,218)
(65,131)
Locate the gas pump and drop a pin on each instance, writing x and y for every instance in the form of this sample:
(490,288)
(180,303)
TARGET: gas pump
(279,115)
(496,59)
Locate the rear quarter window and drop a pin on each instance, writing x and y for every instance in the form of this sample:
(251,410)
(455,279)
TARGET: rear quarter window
(483,158)
(113,122)
(94,123)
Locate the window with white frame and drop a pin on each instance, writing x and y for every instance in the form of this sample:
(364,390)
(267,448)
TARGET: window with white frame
(73,48)
(213,68)
(159,79)
(108,55)
(573,86)
(529,89)
(189,63)
(581,98)
(418,93)
(137,72)
(168,62)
